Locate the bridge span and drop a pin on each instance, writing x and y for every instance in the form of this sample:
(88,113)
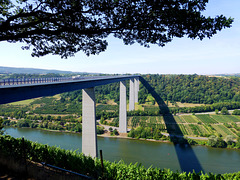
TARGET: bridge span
(12,90)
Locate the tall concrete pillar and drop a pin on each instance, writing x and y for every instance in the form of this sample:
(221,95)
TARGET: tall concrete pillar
(131,95)
(89,134)
(136,84)
(123,108)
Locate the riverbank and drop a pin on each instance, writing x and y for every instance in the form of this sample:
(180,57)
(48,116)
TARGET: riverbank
(105,134)
(124,136)
(202,141)
(145,152)
(76,162)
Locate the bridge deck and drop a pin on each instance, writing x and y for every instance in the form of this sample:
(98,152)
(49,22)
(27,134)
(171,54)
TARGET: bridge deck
(17,92)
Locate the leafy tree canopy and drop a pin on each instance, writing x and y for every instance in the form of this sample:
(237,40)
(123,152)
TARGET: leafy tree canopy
(224,111)
(1,126)
(65,27)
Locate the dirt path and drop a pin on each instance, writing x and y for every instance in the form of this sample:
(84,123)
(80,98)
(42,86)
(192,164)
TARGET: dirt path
(213,112)
(124,135)
(190,137)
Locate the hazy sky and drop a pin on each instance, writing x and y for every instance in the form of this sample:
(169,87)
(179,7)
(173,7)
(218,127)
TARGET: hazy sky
(220,54)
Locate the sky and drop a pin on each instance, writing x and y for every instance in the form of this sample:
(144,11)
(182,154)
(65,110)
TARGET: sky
(218,55)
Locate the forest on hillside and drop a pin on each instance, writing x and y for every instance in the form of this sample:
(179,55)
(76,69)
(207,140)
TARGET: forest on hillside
(173,88)
(194,88)
(64,111)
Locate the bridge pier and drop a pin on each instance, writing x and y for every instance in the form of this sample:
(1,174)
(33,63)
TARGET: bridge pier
(89,133)
(136,89)
(33,88)
(133,93)
(123,108)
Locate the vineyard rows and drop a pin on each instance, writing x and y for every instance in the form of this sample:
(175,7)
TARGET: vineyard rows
(223,130)
(190,119)
(77,162)
(178,119)
(191,125)
(225,118)
(205,118)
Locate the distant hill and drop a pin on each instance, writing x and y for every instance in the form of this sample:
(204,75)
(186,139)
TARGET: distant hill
(227,75)
(10,70)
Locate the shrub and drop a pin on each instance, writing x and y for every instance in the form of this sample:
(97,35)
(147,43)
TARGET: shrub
(77,162)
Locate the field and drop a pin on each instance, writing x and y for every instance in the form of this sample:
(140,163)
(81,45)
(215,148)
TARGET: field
(205,118)
(183,129)
(238,117)
(189,130)
(202,125)
(178,119)
(148,105)
(225,118)
(232,118)
(138,107)
(150,108)
(190,119)
(220,118)
(179,104)
(223,130)
(25,102)
(107,108)
(168,119)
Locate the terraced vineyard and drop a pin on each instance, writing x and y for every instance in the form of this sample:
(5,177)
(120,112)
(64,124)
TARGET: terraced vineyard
(169,119)
(151,108)
(189,130)
(205,118)
(153,120)
(195,129)
(225,118)
(232,118)
(203,131)
(224,131)
(190,118)
(145,121)
(178,119)
(202,125)
(220,118)
(107,108)
(183,129)
(160,119)
(208,128)
(238,117)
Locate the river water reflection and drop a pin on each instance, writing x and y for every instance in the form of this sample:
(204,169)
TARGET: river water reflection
(162,155)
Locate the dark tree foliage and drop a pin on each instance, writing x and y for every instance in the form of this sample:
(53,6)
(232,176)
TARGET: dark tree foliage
(194,88)
(173,88)
(1,126)
(65,27)
(236,112)
(102,93)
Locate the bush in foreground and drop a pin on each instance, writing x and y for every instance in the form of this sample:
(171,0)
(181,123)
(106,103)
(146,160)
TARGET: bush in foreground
(77,162)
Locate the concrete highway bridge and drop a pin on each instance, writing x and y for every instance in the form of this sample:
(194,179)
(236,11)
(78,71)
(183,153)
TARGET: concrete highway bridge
(12,90)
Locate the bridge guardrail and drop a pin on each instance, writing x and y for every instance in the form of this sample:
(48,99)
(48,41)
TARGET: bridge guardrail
(11,81)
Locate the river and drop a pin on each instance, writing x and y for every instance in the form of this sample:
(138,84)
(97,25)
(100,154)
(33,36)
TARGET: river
(162,155)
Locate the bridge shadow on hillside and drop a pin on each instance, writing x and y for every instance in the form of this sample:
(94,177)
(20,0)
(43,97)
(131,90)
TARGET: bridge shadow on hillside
(186,156)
